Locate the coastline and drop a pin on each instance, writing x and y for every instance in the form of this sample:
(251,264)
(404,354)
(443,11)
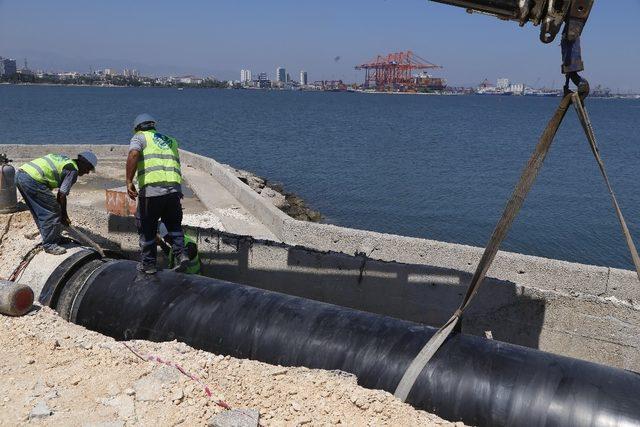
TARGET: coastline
(289,203)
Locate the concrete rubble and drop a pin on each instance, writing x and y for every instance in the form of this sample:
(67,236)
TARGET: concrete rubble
(236,418)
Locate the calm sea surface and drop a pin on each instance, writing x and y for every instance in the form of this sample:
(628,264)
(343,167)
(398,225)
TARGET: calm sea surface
(433,167)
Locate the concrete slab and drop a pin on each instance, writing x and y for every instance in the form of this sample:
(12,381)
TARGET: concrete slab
(219,201)
(89,191)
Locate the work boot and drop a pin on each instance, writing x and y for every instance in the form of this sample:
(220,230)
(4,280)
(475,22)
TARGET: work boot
(55,250)
(183,264)
(147,269)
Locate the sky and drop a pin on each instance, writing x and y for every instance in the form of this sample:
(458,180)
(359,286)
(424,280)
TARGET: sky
(326,38)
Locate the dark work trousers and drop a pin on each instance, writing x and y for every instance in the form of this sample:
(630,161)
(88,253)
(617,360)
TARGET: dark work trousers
(167,208)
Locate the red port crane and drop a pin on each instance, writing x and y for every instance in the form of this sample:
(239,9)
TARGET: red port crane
(395,71)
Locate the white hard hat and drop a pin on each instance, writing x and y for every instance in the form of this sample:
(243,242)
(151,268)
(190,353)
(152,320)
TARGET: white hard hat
(89,157)
(162,230)
(143,118)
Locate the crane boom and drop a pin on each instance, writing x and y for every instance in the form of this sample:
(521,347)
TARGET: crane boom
(549,14)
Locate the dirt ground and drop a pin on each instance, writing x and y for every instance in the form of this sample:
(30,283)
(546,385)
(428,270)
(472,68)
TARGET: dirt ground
(56,373)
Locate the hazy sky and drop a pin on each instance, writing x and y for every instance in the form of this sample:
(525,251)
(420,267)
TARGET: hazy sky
(219,37)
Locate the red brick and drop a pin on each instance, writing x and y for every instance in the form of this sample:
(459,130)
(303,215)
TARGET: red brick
(119,203)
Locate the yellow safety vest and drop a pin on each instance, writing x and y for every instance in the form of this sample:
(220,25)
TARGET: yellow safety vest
(48,169)
(194,264)
(159,162)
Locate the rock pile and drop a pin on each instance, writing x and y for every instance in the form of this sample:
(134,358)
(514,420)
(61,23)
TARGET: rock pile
(287,202)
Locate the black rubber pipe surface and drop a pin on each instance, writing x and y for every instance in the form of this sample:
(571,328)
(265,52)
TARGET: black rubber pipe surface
(478,381)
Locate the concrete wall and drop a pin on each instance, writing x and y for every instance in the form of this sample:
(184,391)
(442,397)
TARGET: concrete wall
(268,214)
(578,310)
(571,323)
(21,153)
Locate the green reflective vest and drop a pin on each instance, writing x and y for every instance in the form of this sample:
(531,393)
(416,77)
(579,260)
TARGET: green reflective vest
(159,162)
(194,264)
(47,170)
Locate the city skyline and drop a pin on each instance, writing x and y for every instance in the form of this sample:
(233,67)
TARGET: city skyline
(418,82)
(220,40)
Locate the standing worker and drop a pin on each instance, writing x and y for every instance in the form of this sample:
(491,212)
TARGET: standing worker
(190,247)
(155,159)
(36,179)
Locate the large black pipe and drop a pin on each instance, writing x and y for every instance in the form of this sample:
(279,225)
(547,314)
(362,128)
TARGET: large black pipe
(478,381)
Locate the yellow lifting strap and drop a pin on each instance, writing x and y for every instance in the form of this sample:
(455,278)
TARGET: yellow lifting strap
(504,224)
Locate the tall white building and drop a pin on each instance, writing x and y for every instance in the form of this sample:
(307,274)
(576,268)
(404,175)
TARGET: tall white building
(281,74)
(517,88)
(303,78)
(245,76)
(503,83)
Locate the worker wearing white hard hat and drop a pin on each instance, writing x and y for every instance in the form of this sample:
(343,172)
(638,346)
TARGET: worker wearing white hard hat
(36,179)
(154,159)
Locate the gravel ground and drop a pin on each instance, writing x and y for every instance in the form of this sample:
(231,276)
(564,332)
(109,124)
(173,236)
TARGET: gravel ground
(56,373)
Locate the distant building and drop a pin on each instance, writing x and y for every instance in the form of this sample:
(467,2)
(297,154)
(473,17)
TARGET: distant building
(281,75)
(130,73)
(7,67)
(109,72)
(189,80)
(304,80)
(503,83)
(263,81)
(517,88)
(245,76)
(68,75)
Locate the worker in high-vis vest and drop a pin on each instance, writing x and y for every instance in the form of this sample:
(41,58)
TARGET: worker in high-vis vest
(190,247)
(155,159)
(36,180)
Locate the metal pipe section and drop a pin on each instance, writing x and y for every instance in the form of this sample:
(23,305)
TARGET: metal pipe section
(478,381)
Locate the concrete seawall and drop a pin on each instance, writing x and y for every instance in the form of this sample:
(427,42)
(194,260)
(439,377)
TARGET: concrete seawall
(567,308)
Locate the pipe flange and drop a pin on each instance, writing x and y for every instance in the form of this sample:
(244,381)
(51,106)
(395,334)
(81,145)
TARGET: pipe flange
(57,279)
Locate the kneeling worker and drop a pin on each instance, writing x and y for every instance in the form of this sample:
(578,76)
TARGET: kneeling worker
(154,157)
(190,247)
(36,179)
